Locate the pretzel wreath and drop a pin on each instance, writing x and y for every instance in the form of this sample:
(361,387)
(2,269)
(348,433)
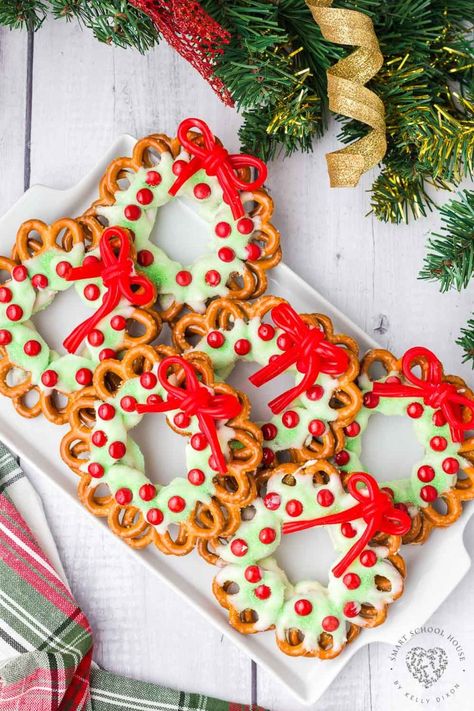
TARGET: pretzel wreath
(441,408)
(43,259)
(243,244)
(310,419)
(311,619)
(223,449)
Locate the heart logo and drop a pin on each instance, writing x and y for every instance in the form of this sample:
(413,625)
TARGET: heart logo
(426,665)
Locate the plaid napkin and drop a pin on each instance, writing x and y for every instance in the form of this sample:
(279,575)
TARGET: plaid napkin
(45,639)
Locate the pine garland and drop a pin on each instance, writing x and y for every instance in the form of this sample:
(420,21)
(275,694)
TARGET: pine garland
(450,258)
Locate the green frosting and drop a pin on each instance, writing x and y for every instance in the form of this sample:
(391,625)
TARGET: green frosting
(278,607)
(408,489)
(164,270)
(31,300)
(224,359)
(129,471)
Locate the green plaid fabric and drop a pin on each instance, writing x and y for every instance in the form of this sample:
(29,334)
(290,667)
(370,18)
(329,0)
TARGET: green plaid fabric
(46,642)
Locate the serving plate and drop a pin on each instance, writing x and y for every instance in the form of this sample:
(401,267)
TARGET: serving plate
(37,442)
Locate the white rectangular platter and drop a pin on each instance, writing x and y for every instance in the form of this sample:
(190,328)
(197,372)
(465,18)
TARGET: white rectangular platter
(37,442)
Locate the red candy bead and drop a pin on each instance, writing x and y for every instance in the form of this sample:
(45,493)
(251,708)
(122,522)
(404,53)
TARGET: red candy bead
(290,419)
(201,191)
(5,337)
(145,258)
(107,354)
(325,497)
(20,273)
(272,501)
(213,463)
(96,338)
(123,496)
(267,535)
(223,229)
(99,438)
(90,260)
(118,323)
(198,441)
(253,251)
(439,420)
(147,492)
(84,376)
(178,166)
(371,400)
(155,517)
(342,458)
(184,278)
(351,581)
(196,477)
(330,623)
(245,226)
(284,342)
(294,508)
(239,547)
(242,347)
(352,430)
(252,574)
(92,292)
(144,196)
(450,465)
(49,378)
(438,443)
(181,420)
(117,450)
(95,470)
(351,609)
(213,278)
(263,592)
(63,268)
(393,379)
(215,339)
(40,281)
(148,380)
(14,312)
(154,399)
(368,558)
(348,530)
(153,178)
(428,493)
(426,473)
(106,411)
(128,403)
(132,212)
(303,607)
(266,332)
(269,431)
(268,457)
(315,393)
(415,410)
(226,254)
(32,348)
(316,428)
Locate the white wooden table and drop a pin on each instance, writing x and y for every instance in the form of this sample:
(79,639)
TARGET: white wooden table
(64,98)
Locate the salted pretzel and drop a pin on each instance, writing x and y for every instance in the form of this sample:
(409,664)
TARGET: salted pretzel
(241,249)
(311,619)
(35,377)
(115,479)
(312,423)
(441,408)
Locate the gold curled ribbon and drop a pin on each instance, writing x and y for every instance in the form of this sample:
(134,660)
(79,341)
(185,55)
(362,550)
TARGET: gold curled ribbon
(346,91)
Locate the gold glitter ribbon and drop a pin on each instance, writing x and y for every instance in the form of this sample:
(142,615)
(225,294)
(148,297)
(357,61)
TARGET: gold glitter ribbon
(346,91)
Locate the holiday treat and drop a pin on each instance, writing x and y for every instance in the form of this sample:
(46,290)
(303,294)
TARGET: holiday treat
(441,408)
(309,618)
(311,417)
(222,447)
(196,169)
(47,259)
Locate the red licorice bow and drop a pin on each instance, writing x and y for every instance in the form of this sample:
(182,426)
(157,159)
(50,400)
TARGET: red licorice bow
(435,392)
(194,399)
(309,350)
(217,161)
(116,272)
(375,507)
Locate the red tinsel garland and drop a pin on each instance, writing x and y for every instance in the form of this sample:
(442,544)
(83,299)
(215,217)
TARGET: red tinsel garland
(193,33)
